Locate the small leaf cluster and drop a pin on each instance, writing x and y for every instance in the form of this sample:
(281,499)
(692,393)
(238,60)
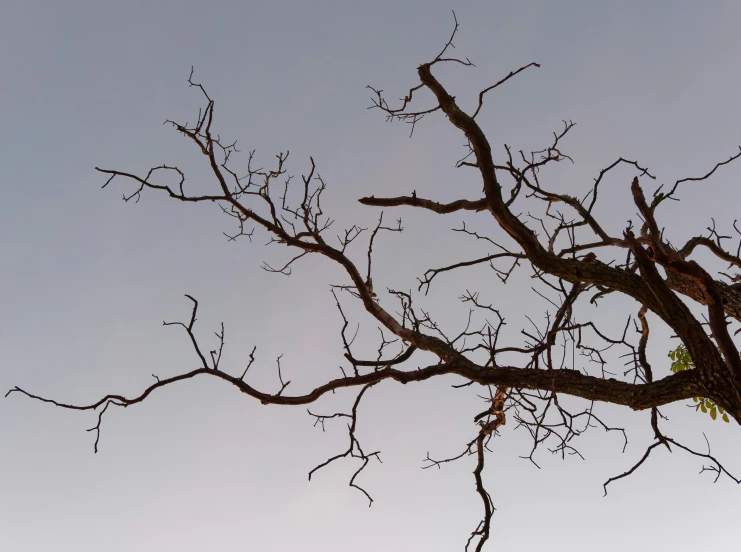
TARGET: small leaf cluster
(682,361)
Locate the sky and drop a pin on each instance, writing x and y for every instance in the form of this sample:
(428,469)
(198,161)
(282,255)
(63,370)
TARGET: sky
(87,280)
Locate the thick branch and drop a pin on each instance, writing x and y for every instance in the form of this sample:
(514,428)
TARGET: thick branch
(677,387)
(414,201)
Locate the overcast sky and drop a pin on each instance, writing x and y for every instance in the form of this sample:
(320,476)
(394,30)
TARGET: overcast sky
(87,279)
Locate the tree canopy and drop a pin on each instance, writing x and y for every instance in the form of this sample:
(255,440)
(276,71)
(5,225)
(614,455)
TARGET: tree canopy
(547,379)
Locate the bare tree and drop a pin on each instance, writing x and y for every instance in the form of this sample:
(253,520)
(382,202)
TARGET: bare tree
(565,249)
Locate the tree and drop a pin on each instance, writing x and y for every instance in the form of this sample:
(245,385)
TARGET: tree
(575,260)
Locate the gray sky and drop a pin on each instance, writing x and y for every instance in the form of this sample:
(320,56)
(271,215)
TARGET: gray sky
(87,279)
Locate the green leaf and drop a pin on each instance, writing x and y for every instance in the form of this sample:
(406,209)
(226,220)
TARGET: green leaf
(683,361)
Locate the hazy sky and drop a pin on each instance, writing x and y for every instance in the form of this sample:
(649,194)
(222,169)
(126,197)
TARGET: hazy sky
(87,280)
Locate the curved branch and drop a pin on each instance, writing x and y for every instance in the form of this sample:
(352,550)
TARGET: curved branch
(676,387)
